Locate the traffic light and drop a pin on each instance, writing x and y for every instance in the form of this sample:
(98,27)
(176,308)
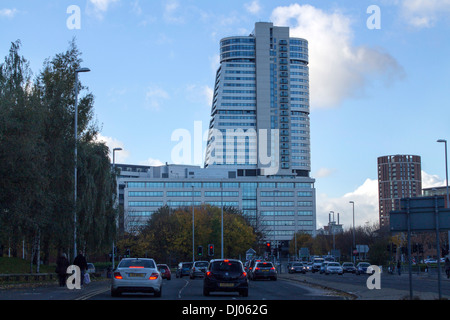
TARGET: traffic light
(210,250)
(268,246)
(200,251)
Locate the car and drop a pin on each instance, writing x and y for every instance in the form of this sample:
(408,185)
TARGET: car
(362,268)
(317,263)
(252,266)
(349,267)
(334,267)
(183,269)
(136,275)
(308,267)
(430,261)
(225,275)
(198,269)
(297,267)
(90,268)
(323,266)
(264,270)
(165,271)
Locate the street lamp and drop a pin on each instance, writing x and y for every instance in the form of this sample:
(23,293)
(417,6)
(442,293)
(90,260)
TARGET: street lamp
(76,156)
(446,170)
(353,203)
(114,167)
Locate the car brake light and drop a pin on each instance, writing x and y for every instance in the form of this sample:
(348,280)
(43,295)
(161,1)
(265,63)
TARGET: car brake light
(244,274)
(273,268)
(117,275)
(154,276)
(256,268)
(226,260)
(136,267)
(208,274)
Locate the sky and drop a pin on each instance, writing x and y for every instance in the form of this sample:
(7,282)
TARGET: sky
(379,78)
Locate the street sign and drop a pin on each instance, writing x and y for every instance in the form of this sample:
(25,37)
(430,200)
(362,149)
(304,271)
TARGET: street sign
(304,252)
(422,212)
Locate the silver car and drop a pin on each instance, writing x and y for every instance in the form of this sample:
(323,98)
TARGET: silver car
(136,275)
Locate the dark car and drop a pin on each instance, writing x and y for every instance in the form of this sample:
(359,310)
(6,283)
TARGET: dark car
(183,269)
(348,267)
(226,275)
(264,270)
(252,266)
(361,268)
(297,267)
(165,271)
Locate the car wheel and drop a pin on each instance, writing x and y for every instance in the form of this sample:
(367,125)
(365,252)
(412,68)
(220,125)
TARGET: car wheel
(115,293)
(158,293)
(243,293)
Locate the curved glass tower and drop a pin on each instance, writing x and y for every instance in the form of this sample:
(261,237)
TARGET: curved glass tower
(260,110)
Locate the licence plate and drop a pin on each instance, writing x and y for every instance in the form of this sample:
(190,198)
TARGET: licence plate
(265,270)
(226,285)
(136,275)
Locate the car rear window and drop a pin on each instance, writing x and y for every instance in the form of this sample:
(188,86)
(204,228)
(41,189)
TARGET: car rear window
(231,266)
(187,265)
(201,264)
(136,263)
(265,265)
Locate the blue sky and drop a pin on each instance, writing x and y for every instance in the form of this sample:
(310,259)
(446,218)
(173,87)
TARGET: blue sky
(374,92)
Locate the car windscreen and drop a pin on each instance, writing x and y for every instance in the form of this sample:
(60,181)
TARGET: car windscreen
(229,266)
(136,263)
(334,264)
(187,265)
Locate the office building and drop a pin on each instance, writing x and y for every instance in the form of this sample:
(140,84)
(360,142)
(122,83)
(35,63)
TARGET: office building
(258,151)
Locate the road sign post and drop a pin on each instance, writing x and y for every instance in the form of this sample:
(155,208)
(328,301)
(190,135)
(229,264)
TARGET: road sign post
(421,214)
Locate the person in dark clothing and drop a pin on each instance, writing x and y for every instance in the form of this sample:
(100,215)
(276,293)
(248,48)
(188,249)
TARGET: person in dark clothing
(62,263)
(447,267)
(399,267)
(80,261)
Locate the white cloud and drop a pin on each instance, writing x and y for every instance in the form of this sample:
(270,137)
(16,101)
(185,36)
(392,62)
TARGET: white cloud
(102,5)
(171,14)
(152,162)
(8,13)
(338,69)
(253,7)
(424,13)
(154,97)
(111,143)
(202,94)
(366,203)
(324,172)
(366,206)
(431,181)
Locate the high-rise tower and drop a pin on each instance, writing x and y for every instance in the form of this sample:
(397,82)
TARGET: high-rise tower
(399,176)
(260,109)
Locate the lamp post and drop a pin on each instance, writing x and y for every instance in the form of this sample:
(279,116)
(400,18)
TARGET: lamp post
(354,257)
(221,204)
(446,170)
(114,167)
(446,178)
(76,158)
(193,225)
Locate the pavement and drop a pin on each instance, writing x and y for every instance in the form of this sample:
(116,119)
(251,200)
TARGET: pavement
(355,291)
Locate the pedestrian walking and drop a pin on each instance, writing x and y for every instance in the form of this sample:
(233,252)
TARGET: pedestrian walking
(62,263)
(399,267)
(447,267)
(80,261)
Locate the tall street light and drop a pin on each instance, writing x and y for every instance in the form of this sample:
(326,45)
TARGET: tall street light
(446,170)
(353,203)
(76,158)
(114,167)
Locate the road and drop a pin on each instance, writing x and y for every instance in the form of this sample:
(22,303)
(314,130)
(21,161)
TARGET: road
(177,289)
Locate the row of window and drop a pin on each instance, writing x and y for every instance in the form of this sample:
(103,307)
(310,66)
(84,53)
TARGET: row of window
(245,185)
(132,213)
(217,203)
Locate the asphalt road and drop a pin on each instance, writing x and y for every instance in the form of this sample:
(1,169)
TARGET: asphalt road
(176,289)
